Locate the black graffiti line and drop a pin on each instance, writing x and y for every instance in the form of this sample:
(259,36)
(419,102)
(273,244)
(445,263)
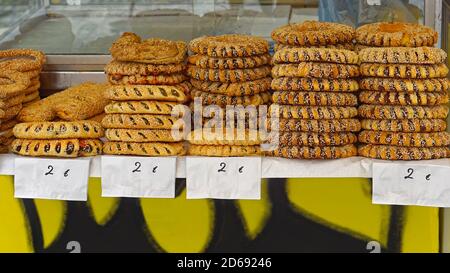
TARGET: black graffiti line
(35,227)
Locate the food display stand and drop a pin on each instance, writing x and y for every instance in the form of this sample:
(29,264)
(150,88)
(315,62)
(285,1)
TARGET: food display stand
(301,205)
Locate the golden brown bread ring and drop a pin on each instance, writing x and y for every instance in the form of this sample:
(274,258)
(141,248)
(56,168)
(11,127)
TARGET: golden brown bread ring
(33,87)
(58,130)
(31,97)
(404,85)
(234,89)
(144,149)
(22,65)
(234,137)
(239,123)
(346,46)
(402,112)
(404,71)
(12,83)
(309,139)
(10,112)
(307,152)
(229,45)
(402,55)
(313,112)
(33,75)
(319,126)
(207,62)
(396,34)
(132,68)
(403,98)
(316,70)
(223,101)
(405,125)
(314,84)
(387,152)
(313,33)
(222,75)
(327,55)
(12,101)
(19,59)
(224,150)
(405,139)
(233,113)
(131,48)
(314,98)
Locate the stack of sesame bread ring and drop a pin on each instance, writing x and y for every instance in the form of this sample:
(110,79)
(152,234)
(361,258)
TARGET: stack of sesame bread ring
(58,139)
(314,94)
(229,70)
(394,34)
(404,93)
(19,86)
(313,34)
(12,84)
(29,62)
(147,84)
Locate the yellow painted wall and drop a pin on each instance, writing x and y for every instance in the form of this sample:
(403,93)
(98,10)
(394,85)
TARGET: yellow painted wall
(180,225)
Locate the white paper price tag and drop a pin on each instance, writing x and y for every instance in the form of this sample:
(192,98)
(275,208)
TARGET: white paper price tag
(60,179)
(411,184)
(140,177)
(223,177)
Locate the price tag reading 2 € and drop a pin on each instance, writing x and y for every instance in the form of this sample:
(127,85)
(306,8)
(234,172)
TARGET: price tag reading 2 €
(140,177)
(223,177)
(411,184)
(46,178)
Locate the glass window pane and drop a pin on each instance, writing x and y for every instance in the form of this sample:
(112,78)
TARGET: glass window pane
(90,26)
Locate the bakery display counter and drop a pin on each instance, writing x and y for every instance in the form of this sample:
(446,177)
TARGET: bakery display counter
(422,183)
(113,141)
(271,167)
